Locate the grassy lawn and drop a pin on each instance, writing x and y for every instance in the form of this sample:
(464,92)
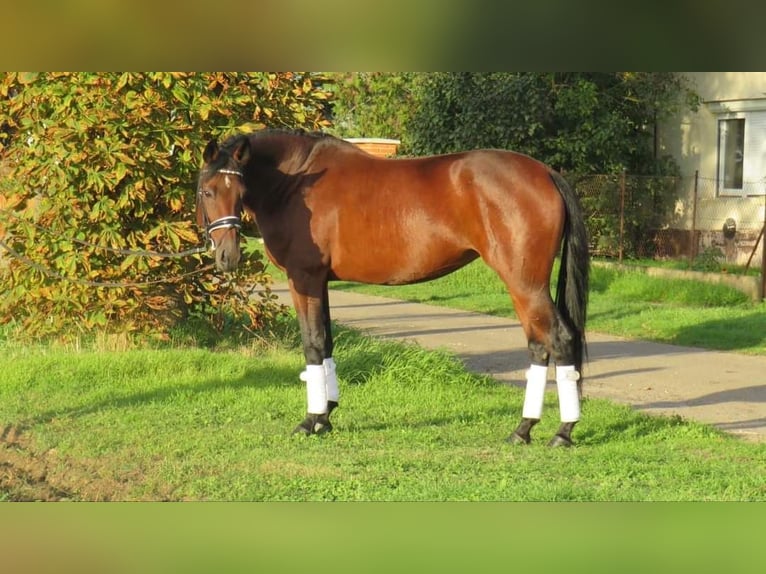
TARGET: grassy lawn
(191,423)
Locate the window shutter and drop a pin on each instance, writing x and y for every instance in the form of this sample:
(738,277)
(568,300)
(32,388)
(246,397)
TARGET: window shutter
(754,168)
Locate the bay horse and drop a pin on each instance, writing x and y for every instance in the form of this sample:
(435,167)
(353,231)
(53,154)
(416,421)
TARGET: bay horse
(329,211)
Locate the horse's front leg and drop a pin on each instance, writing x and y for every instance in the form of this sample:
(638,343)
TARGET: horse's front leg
(309,308)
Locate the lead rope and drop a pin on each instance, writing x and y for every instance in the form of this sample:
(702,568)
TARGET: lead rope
(56,275)
(227,222)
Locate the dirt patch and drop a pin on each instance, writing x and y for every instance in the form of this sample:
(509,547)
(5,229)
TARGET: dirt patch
(22,480)
(22,477)
(26,475)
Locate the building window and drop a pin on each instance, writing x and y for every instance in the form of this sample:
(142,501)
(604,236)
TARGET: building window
(742,148)
(731,155)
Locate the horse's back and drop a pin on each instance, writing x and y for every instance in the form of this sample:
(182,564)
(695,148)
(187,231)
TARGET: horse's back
(353,175)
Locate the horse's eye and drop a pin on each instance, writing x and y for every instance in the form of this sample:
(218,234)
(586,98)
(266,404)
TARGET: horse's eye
(207,193)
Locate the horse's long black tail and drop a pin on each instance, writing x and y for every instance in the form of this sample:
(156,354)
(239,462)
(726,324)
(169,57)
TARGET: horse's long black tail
(572,286)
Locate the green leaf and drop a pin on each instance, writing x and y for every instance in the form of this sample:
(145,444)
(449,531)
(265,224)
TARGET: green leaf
(95,160)
(27,77)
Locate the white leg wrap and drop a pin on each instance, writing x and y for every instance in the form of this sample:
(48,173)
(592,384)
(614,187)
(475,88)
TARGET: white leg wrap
(537,376)
(333,394)
(316,389)
(569,398)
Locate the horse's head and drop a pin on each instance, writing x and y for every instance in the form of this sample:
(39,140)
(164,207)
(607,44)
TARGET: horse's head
(219,198)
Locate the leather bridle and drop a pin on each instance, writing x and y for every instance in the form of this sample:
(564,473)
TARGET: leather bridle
(226,222)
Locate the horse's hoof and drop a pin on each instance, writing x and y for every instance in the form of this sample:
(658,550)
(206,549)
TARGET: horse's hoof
(559,440)
(516,438)
(331,406)
(304,428)
(312,425)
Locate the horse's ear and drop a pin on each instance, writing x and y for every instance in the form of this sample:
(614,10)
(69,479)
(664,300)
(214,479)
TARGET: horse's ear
(211,151)
(242,152)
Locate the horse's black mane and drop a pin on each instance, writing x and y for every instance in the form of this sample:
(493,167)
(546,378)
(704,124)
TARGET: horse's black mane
(295,132)
(306,142)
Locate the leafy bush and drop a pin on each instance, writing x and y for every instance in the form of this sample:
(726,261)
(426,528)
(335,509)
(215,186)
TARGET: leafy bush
(647,204)
(371,104)
(710,259)
(100,162)
(583,122)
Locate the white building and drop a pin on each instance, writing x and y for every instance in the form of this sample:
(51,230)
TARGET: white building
(721,150)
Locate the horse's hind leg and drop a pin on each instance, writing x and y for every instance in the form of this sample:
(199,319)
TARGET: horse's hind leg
(534,395)
(568,383)
(548,338)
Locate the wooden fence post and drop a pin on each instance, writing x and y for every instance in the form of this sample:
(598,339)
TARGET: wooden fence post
(693,239)
(622,216)
(763,251)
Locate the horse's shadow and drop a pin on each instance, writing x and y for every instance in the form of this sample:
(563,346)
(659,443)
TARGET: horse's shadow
(633,426)
(368,424)
(256,377)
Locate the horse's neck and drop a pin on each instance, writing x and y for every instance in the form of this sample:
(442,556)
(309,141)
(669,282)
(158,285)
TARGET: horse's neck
(286,153)
(275,175)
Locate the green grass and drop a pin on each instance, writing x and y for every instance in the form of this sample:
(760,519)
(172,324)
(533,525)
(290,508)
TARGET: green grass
(182,423)
(113,420)
(708,261)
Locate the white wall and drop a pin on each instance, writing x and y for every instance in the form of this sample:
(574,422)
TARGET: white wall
(692,139)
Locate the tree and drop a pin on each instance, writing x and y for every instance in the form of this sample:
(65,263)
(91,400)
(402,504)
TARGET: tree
(104,162)
(575,121)
(370,104)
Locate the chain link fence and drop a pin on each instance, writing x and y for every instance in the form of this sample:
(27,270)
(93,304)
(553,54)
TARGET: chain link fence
(645,217)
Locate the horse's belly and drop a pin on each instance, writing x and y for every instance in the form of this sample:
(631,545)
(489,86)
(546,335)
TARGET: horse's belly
(399,267)
(404,239)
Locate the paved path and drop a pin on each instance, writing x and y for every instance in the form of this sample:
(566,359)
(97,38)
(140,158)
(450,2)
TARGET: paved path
(727,390)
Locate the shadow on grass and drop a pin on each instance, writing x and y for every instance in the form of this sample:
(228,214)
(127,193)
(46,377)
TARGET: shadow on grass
(370,424)
(257,377)
(751,331)
(635,426)
(361,361)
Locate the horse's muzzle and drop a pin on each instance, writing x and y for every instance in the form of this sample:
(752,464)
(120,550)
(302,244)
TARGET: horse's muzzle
(227,253)
(227,259)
